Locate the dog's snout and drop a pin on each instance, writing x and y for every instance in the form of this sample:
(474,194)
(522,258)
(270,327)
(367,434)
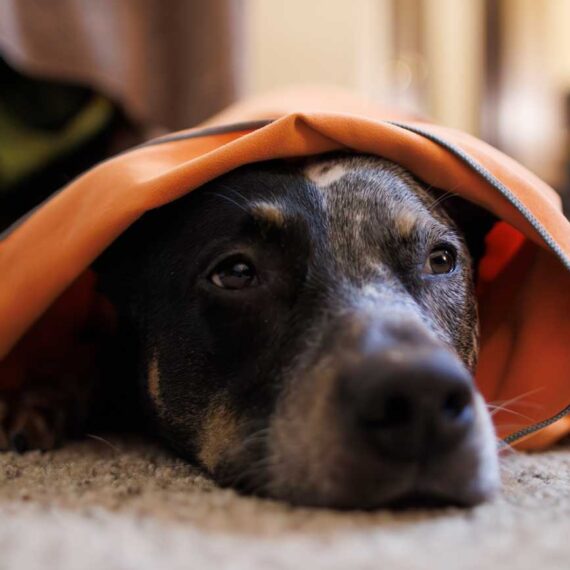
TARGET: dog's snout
(409,410)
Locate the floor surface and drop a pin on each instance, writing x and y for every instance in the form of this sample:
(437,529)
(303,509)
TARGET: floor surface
(124,504)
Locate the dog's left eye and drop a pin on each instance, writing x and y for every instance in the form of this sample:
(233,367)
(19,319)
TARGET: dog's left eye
(234,274)
(441,260)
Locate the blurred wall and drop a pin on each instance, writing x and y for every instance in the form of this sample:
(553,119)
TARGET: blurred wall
(342,42)
(534,83)
(374,46)
(454,48)
(499,69)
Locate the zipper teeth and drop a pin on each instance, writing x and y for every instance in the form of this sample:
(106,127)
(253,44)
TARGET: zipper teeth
(208,131)
(536,427)
(498,185)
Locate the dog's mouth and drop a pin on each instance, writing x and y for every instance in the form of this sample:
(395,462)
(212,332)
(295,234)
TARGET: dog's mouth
(412,501)
(417,500)
(413,490)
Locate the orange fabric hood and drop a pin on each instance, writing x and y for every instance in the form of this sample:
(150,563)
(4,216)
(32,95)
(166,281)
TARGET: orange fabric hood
(524,286)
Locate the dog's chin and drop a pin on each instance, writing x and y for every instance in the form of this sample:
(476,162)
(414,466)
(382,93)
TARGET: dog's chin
(396,497)
(411,498)
(408,487)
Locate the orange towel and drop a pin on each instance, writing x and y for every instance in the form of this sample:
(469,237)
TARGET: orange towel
(524,289)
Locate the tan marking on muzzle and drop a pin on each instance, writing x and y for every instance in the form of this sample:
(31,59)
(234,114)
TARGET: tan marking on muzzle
(153,380)
(305,442)
(219,432)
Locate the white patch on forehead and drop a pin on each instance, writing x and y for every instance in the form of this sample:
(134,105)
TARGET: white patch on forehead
(323,174)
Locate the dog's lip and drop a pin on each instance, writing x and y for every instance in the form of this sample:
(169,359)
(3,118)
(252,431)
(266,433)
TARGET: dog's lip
(418,500)
(412,499)
(422,495)
(423,492)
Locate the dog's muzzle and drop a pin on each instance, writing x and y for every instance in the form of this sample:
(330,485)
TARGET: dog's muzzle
(393,413)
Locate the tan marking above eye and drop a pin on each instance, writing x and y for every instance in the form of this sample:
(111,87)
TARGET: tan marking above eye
(153,380)
(269,213)
(405,222)
(219,432)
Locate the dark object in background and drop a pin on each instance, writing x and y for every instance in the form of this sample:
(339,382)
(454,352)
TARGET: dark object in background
(162,68)
(39,104)
(167,64)
(50,132)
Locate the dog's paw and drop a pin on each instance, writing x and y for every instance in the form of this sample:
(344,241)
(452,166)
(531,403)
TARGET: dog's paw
(32,420)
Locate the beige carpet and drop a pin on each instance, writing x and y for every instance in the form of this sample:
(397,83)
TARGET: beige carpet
(130,505)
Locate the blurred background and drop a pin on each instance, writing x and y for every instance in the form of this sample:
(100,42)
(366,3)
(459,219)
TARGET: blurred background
(82,79)
(499,69)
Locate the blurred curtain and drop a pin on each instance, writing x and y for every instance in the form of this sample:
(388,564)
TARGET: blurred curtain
(168,63)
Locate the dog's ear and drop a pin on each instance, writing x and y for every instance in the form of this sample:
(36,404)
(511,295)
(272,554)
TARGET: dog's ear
(473,221)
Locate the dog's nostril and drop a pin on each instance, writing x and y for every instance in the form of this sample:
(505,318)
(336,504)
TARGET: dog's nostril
(395,411)
(457,404)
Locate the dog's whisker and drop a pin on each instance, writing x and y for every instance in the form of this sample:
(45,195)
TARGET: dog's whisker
(496,409)
(521,404)
(254,476)
(103,440)
(439,200)
(256,438)
(504,446)
(235,192)
(230,200)
(517,399)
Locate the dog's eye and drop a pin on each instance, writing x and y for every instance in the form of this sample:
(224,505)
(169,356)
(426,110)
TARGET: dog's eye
(234,274)
(441,260)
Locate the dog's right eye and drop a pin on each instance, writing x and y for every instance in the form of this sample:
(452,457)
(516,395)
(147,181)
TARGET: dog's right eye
(441,260)
(234,274)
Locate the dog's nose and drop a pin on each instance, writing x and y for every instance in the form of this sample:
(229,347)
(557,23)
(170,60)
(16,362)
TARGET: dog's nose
(409,410)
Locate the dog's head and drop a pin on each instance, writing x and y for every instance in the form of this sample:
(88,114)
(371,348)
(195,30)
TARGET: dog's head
(308,331)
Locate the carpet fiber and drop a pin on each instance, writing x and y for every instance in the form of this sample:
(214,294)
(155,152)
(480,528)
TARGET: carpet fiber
(126,504)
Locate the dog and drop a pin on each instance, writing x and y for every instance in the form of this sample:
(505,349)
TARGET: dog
(304,330)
